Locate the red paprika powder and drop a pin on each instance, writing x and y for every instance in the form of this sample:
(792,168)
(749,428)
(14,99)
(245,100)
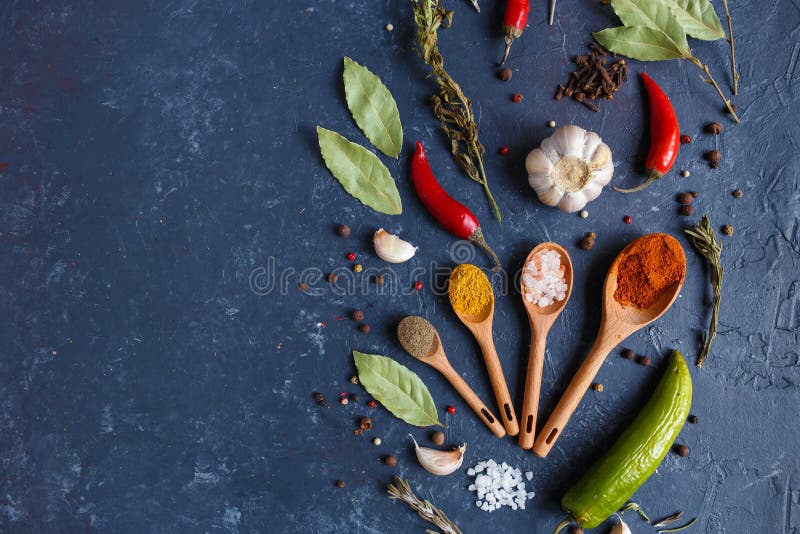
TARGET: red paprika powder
(653,264)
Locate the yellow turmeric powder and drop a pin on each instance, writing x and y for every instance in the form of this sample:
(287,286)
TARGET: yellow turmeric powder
(470,291)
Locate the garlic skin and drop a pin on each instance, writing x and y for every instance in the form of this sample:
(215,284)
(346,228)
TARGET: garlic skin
(570,168)
(620,528)
(439,462)
(391,248)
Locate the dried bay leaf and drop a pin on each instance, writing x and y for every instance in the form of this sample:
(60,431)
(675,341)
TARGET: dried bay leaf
(640,42)
(360,172)
(398,388)
(656,15)
(698,19)
(373,108)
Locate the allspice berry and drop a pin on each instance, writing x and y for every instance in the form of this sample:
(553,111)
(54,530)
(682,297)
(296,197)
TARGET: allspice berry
(437,438)
(343,230)
(714,156)
(587,243)
(681,450)
(357,315)
(628,354)
(685,198)
(379,279)
(365,424)
(363,328)
(727,230)
(714,128)
(686,211)
(505,74)
(390,460)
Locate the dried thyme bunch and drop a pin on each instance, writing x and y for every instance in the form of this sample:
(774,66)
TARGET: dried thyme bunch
(451,106)
(400,489)
(705,241)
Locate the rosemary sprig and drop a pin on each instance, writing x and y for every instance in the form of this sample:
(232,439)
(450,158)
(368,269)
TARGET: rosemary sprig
(705,241)
(451,106)
(400,489)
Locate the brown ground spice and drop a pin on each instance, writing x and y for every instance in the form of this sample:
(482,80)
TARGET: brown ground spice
(417,336)
(645,270)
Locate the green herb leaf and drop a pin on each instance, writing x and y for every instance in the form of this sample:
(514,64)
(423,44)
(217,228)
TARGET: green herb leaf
(656,15)
(360,172)
(398,388)
(698,19)
(373,108)
(640,42)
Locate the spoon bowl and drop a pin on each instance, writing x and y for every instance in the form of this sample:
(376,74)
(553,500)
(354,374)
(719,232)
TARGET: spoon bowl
(617,323)
(541,318)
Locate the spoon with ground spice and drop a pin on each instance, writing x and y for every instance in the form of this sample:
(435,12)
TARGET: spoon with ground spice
(472,299)
(546,284)
(641,284)
(422,341)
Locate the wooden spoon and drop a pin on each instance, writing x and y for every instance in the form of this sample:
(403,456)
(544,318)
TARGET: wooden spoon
(541,319)
(617,323)
(436,358)
(481,327)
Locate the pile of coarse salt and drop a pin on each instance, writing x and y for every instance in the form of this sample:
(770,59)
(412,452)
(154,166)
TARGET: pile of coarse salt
(498,485)
(543,279)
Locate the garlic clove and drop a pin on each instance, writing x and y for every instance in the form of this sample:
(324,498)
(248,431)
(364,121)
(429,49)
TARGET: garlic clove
(391,248)
(603,175)
(569,141)
(550,196)
(601,157)
(537,162)
(592,191)
(572,202)
(439,462)
(620,528)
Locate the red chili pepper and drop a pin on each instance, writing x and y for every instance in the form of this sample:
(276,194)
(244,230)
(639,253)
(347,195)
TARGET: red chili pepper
(665,135)
(455,217)
(514,21)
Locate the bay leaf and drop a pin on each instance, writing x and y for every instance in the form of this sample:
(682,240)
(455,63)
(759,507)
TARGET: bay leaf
(360,172)
(640,42)
(398,388)
(656,15)
(698,19)
(373,108)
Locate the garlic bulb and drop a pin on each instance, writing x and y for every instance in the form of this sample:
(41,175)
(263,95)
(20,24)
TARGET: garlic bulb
(620,528)
(439,462)
(391,248)
(570,168)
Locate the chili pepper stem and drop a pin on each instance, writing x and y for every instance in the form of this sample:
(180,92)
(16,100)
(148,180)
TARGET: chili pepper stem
(509,40)
(651,177)
(564,524)
(710,79)
(478,239)
(552,11)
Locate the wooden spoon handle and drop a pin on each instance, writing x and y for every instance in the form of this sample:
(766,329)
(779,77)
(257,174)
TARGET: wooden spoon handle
(572,397)
(473,400)
(533,385)
(499,386)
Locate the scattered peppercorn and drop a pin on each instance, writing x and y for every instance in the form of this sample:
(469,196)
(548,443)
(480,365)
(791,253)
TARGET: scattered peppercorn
(681,450)
(358,267)
(303,286)
(418,285)
(685,173)
(376,441)
(372,403)
(365,424)
(333,277)
(584,214)
(628,354)
(503,150)
(451,410)
(643,360)
(357,315)
(714,128)
(627,219)
(686,139)
(390,460)
(587,243)
(598,387)
(714,164)
(357,432)
(438,438)
(727,230)
(343,230)
(694,194)
(319,398)
(551,124)
(517,98)
(389,27)
(340,484)
(693,419)
(344,401)
(351,256)
(686,211)
(364,328)
(379,279)
(737,193)
(685,198)
(354,379)
(713,155)
(505,74)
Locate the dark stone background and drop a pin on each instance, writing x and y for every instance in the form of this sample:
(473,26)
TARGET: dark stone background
(154,154)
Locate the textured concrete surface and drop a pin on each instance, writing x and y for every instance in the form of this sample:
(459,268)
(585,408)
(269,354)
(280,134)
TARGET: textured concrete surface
(157,154)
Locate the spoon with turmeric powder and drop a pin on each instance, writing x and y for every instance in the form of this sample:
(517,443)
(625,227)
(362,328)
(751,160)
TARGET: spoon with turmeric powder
(472,299)
(642,283)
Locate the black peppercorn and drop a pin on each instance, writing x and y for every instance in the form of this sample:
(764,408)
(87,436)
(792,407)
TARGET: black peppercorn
(693,419)
(643,360)
(686,211)
(628,354)
(714,128)
(363,328)
(685,198)
(505,74)
(357,315)
(319,398)
(587,243)
(681,450)
(343,230)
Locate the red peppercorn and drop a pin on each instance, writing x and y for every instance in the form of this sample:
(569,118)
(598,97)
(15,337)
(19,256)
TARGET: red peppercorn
(372,403)
(627,219)
(418,285)
(517,98)
(686,139)
(351,256)
(503,150)
(451,410)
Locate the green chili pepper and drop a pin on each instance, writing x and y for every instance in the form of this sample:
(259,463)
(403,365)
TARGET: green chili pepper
(637,453)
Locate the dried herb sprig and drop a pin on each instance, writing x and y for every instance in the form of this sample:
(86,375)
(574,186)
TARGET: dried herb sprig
(705,241)
(400,489)
(451,106)
(678,529)
(734,71)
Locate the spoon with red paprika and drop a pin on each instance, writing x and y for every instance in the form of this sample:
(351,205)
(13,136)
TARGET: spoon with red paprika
(665,135)
(454,216)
